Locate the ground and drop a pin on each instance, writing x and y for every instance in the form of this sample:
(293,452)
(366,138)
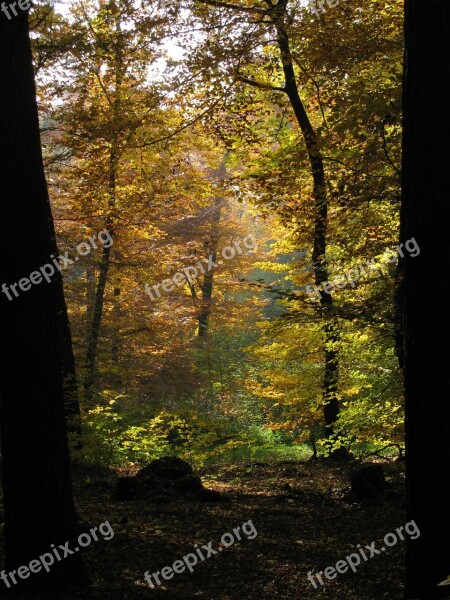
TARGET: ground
(304,522)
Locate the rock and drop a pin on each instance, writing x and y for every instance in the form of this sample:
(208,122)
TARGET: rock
(368,482)
(149,485)
(165,479)
(167,467)
(188,483)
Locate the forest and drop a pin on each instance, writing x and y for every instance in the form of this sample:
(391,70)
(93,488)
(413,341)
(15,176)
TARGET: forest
(223,319)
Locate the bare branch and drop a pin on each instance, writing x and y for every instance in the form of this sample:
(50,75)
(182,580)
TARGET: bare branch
(237,7)
(260,85)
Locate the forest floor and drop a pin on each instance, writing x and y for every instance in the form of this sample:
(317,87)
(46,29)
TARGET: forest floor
(301,513)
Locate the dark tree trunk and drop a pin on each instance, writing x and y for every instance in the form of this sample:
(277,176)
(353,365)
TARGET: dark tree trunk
(426,187)
(70,381)
(38,501)
(331,326)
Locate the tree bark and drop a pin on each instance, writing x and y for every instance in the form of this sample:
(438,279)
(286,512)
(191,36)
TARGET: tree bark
(331,326)
(38,503)
(426,185)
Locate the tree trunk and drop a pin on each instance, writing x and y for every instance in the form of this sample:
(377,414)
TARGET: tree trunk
(426,185)
(114,153)
(206,287)
(331,327)
(97,315)
(116,341)
(70,381)
(38,501)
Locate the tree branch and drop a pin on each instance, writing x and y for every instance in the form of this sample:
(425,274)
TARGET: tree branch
(261,86)
(384,146)
(247,9)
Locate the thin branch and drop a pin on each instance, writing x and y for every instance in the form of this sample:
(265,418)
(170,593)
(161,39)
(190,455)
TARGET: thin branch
(383,136)
(181,128)
(260,85)
(247,9)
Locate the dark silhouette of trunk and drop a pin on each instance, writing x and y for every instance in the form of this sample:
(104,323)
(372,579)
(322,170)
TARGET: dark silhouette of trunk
(70,381)
(38,501)
(71,390)
(331,328)
(426,185)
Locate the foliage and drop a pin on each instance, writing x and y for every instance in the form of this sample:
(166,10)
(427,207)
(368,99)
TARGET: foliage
(203,153)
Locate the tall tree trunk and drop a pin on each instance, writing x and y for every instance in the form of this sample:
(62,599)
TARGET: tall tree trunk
(38,501)
(331,327)
(426,185)
(97,311)
(114,153)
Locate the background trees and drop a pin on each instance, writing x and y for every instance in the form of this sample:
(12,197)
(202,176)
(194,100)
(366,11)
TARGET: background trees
(218,89)
(134,132)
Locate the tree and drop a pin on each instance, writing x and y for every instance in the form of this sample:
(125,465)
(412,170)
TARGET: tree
(275,15)
(38,502)
(426,146)
(273,49)
(211,248)
(228,91)
(107,100)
